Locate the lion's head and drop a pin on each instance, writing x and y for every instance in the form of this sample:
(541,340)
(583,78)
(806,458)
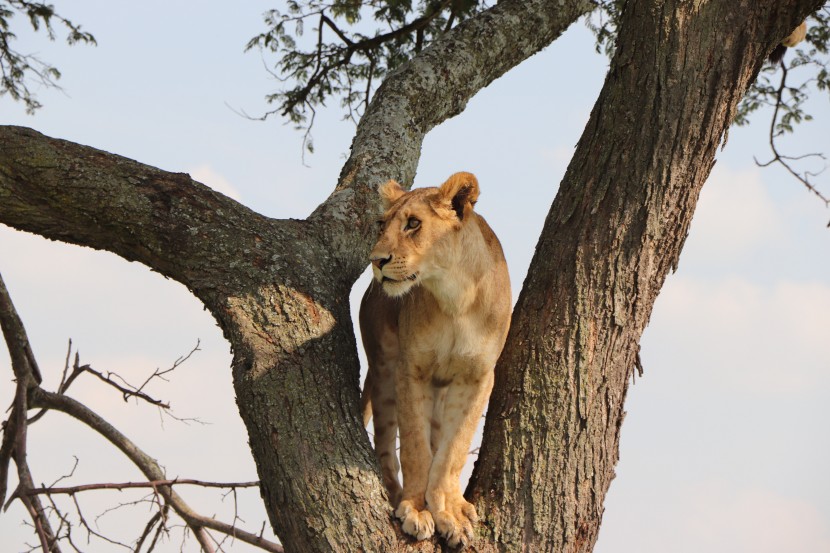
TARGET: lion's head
(417,231)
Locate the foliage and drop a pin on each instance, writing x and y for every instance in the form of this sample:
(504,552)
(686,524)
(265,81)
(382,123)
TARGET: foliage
(356,44)
(17,69)
(604,22)
(771,89)
(788,98)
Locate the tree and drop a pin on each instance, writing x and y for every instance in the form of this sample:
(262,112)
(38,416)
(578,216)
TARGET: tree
(615,230)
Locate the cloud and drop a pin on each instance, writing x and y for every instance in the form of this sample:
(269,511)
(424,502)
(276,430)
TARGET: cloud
(208,176)
(762,338)
(759,520)
(716,517)
(735,216)
(558,156)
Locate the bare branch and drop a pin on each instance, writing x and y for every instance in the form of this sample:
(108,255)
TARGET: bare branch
(90,530)
(156,521)
(324,18)
(72,490)
(126,392)
(151,469)
(774,132)
(23,360)
(15,430)
(66,381)
(29,394)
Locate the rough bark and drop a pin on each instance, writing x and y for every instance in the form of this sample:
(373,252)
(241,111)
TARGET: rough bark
(270,286)
(615,229)
(279,289)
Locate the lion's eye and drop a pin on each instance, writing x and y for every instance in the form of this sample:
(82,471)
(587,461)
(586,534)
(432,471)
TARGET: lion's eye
(413,223)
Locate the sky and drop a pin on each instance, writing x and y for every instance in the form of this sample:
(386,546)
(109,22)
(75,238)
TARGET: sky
(724,447)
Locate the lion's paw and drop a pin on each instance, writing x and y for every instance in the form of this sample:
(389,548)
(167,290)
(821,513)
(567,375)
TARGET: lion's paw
(455,524)
(418,524)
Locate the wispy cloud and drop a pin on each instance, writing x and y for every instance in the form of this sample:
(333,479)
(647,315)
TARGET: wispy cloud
(207,175)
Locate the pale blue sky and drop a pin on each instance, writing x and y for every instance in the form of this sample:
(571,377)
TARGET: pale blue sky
(724,447)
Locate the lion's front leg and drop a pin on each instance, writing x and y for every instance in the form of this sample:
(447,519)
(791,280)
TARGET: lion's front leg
(415,402)
(463,405)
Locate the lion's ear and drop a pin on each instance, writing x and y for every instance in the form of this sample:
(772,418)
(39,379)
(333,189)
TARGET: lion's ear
(461,190)
(389,192)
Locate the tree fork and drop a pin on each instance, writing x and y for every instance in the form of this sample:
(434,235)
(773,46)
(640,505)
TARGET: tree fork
(265,281)
(279,289)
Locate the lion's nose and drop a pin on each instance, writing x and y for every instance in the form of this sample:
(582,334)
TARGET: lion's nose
(380,261)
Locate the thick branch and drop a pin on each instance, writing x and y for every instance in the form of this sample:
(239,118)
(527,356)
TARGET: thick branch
(431,88)
(167,221)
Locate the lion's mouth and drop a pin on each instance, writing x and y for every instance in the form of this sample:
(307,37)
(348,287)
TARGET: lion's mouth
(413,276)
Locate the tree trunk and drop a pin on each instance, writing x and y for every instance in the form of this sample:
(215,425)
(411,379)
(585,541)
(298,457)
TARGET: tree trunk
(614,231)
(280,289)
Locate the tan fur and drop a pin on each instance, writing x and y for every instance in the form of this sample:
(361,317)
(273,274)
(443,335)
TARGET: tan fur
(798,34)
(795,37)
(433,323)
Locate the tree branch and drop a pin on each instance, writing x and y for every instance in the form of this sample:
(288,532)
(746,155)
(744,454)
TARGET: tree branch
(13,446)
(29,394)
(433,86)
(24,364)
(71,490)
(167,221)
(777,156)
(150,468)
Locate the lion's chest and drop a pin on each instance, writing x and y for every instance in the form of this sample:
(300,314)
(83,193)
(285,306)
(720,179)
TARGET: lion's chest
(443,348)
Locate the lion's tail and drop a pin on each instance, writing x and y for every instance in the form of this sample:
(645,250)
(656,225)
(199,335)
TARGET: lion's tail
(366,399)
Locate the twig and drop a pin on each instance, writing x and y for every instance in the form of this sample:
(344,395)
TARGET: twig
(178,362)
(72,490)
(65,383)
(156,520)
(29,394)
(125,392)
(197,523)
(128,390)
(92,532)
(782,159)
(37,519)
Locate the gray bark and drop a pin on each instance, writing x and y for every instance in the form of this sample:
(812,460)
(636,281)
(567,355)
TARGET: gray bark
(279,289)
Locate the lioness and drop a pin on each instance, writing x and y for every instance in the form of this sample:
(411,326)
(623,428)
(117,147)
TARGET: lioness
(433,322)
